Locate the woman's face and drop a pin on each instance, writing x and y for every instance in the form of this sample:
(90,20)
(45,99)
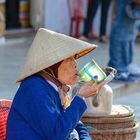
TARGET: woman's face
(67,71)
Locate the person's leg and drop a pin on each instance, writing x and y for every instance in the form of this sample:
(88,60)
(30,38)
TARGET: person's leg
(120,57)
(128,52)
(90,15)
(121,54)
(133,68)
(104,14)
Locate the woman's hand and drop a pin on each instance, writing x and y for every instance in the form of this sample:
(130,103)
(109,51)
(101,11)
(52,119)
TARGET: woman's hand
(87,89)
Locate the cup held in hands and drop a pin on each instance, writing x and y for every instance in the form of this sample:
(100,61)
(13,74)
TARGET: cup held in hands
(91,71)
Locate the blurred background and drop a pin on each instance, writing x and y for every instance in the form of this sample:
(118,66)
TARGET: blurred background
(19,21)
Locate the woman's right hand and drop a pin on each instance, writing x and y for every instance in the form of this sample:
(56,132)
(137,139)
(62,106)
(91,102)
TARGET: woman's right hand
(87,89)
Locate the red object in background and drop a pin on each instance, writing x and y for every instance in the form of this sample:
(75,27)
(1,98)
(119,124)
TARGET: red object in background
(4,110)
(75,8)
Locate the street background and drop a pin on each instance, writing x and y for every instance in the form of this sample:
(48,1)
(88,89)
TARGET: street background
(19,19)
(13,52)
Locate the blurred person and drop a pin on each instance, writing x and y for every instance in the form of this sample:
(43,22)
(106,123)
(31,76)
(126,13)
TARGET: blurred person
(138,36)
(91,12)
(41,109)
(122,40)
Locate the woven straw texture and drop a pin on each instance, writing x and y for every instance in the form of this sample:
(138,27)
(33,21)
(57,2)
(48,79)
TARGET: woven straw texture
(49,48)
(115,134)
(121,117)
(4,110)
(119,125)
(110,123)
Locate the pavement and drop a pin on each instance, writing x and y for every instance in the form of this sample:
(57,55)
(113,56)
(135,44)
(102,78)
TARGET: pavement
(13,52)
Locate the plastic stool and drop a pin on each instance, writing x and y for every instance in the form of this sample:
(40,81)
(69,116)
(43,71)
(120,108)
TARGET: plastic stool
(75,8)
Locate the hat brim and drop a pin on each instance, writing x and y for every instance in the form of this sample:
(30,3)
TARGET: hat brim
(82,53)
(76,56)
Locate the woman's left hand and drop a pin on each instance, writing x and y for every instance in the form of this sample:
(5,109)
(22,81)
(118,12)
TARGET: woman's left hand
(87,89)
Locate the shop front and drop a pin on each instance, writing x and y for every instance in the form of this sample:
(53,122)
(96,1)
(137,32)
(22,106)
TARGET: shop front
(21,14)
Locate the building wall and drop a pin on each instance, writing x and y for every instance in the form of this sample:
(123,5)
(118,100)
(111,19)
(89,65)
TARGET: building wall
(56,15)
(37,13)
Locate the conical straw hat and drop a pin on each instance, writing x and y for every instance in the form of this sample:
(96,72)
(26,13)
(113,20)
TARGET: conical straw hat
(49,48)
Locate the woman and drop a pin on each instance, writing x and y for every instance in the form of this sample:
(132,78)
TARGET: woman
(41,109)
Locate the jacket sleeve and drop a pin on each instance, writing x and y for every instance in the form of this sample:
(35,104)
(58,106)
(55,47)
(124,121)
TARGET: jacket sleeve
(82,131)
(41,112)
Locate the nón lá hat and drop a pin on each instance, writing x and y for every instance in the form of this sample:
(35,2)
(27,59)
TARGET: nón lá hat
(49,48)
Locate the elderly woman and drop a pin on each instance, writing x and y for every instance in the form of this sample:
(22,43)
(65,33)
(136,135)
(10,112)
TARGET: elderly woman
(41,109)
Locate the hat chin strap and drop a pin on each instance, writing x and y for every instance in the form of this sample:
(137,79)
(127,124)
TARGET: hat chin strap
(62,88)
(52,78)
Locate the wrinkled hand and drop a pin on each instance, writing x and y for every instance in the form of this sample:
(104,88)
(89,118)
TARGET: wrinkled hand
(87,89)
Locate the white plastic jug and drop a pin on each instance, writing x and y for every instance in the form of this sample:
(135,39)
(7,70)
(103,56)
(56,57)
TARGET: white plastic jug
(105,101)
